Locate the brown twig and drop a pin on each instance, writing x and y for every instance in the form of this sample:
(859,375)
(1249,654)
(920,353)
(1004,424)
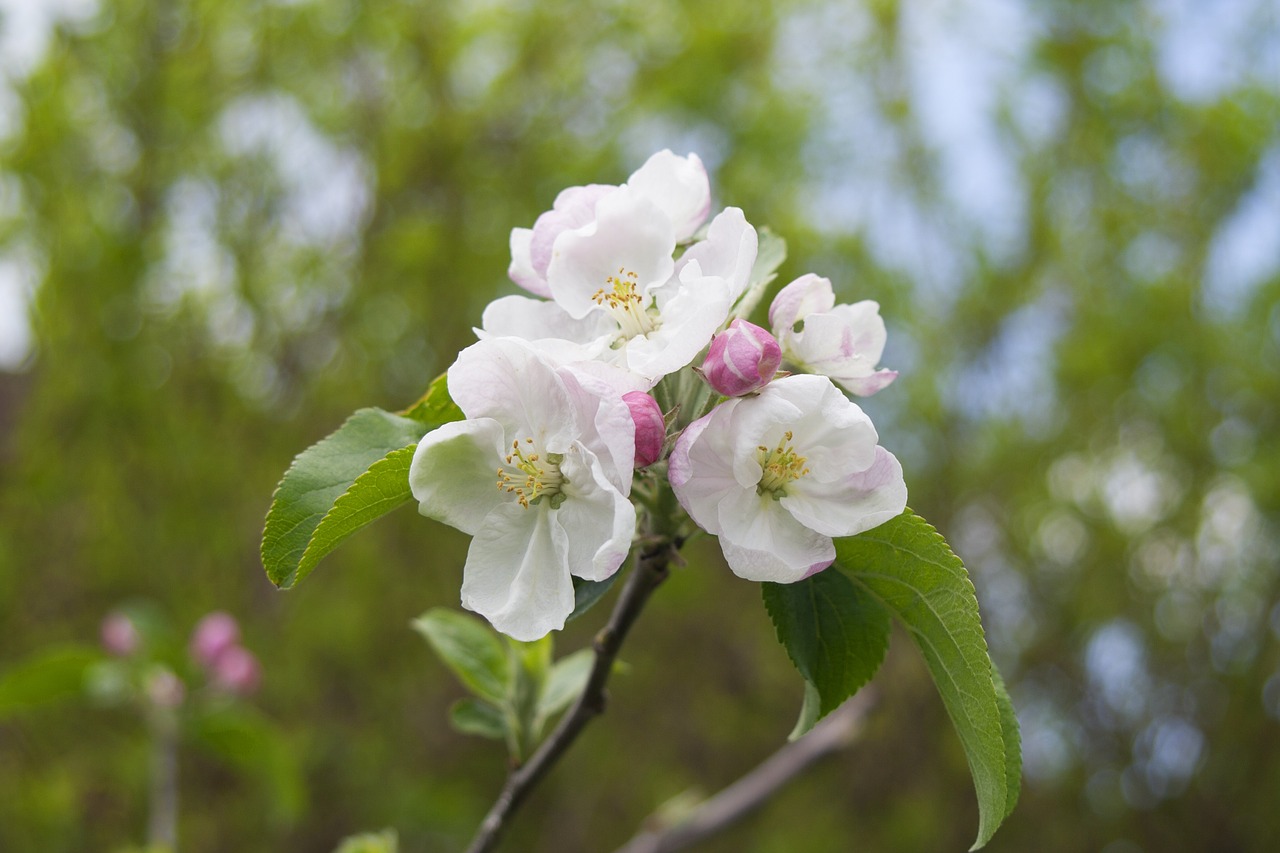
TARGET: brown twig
(735,802)
(650,571)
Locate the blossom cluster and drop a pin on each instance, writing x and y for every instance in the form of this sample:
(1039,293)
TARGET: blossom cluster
(630,296)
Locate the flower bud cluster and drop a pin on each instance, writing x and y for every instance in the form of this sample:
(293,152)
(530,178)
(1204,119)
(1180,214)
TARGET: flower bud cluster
(585,385)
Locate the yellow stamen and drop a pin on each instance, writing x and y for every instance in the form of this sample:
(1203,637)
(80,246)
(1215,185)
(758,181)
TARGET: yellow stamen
(780,466)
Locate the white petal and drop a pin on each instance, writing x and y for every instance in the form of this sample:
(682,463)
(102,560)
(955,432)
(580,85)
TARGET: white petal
(691,308)
(505,379)
(521,270)
(859,502)
(517,572)
(608,430)
(679,186)
(729,251)
(453,474)
(761,541)
(598,520)
(846,341)
(538,319)
(630,235)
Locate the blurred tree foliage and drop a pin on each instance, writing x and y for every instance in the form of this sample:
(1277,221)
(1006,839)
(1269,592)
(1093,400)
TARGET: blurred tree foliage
(241,220)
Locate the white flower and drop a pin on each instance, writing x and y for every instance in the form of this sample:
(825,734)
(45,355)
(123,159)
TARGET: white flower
(677,185)
(538,474)
(777,475)
(840,341)
(604,256)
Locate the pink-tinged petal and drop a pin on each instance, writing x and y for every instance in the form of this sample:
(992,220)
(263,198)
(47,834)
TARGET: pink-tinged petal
(213,635)
(453,475)
(598,520)
(651,429)
(809,294)
(742,359)
(729,252)
(865,386)
(507,380)
(678,186)
(700,467)
(574,208)
(631,241)
(517,572)
(859,502)
(845,341)
(521,270)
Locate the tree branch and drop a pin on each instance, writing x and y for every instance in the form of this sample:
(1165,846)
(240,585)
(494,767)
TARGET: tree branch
(650,571)
(841,728)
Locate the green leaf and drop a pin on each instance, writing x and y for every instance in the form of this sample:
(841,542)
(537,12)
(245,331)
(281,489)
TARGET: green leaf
(470,649)
(1012,741)
(52,675)
(834,631)
(436,406)
(808,713)
(587,593)
(910,569)
(478,717)
(770,253)
(564,684)
(335,487)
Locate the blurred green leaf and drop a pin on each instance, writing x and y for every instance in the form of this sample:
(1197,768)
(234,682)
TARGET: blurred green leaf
(909,567)
(478,717)
(253,744)
(335,487)
(808,712)
(834,631)
(52,675)
(471,650)
(564,683)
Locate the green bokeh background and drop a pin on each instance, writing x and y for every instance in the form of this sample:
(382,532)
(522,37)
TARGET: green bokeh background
(234,222)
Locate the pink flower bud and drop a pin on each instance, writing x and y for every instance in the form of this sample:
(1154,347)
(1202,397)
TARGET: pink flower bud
(651,430)
(237,671)
(120,635)
(164,689)
(214,634)
(743,358)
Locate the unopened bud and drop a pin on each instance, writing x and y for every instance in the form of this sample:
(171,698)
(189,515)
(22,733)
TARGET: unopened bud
(213,635)
(651,430)
(120,635)
(743,358)
(237,671)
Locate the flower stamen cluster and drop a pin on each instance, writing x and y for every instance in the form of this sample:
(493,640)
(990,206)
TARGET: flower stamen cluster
(539,482)
(780,466)
(625,305)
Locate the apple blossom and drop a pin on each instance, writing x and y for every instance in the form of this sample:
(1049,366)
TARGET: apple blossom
(775,476)
(843,342)
(119,635)
(562,444)
(742,359)
(677,185)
